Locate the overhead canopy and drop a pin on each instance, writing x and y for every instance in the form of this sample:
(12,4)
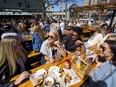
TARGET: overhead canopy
(103,6)
(108,6)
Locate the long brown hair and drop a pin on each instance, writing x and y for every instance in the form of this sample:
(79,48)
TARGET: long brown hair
(112,45)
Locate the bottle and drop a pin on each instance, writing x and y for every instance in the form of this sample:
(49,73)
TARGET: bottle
(67,64)
(78,60)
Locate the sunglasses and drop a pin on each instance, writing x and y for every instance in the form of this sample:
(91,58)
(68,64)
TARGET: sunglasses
(50,36)
(103,48)
(74,35)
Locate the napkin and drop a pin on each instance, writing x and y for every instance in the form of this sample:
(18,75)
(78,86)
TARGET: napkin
(56,73)
(72,73)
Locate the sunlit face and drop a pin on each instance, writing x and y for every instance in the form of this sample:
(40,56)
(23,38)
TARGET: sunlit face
(74,36)
(51,37)
(106,50)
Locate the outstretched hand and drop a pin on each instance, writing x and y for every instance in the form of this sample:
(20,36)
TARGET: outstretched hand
(79,42)
(57,44)
(24,75)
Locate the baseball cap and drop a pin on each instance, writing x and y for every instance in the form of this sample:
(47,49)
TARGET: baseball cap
(6,27)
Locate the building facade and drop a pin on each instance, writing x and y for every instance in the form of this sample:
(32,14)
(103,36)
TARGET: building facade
(30,5)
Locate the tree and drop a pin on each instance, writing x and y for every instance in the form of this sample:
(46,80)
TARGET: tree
(47,3)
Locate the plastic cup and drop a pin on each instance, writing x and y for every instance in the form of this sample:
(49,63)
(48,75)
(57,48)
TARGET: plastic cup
(34,79)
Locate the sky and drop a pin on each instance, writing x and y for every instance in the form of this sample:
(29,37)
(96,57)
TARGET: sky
(58,6)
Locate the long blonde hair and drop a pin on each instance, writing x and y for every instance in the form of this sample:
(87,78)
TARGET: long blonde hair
(21,27)
(8,54)
(56,34)
(39,30)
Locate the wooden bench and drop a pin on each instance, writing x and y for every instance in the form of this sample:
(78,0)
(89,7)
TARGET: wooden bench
(85,29)
(85,38)
(34,58)
(33,53)
(92,28)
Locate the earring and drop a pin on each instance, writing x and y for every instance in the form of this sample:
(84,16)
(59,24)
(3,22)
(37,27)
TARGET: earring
(112,55)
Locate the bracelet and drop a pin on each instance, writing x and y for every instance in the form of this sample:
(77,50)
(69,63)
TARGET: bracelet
(60,47)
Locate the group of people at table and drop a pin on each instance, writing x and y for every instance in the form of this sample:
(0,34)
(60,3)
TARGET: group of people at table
(14,60)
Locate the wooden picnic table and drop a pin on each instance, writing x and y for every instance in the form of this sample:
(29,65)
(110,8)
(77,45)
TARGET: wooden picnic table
(33,53)
(60,63)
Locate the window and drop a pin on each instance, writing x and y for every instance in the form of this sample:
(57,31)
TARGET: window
(20,4)
(5,1)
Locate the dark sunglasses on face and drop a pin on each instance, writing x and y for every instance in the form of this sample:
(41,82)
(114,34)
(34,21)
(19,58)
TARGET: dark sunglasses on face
(50,36)
(74,35)
(102,47)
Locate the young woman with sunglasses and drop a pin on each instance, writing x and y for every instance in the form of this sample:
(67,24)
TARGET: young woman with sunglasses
(52,48)
(105,74)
